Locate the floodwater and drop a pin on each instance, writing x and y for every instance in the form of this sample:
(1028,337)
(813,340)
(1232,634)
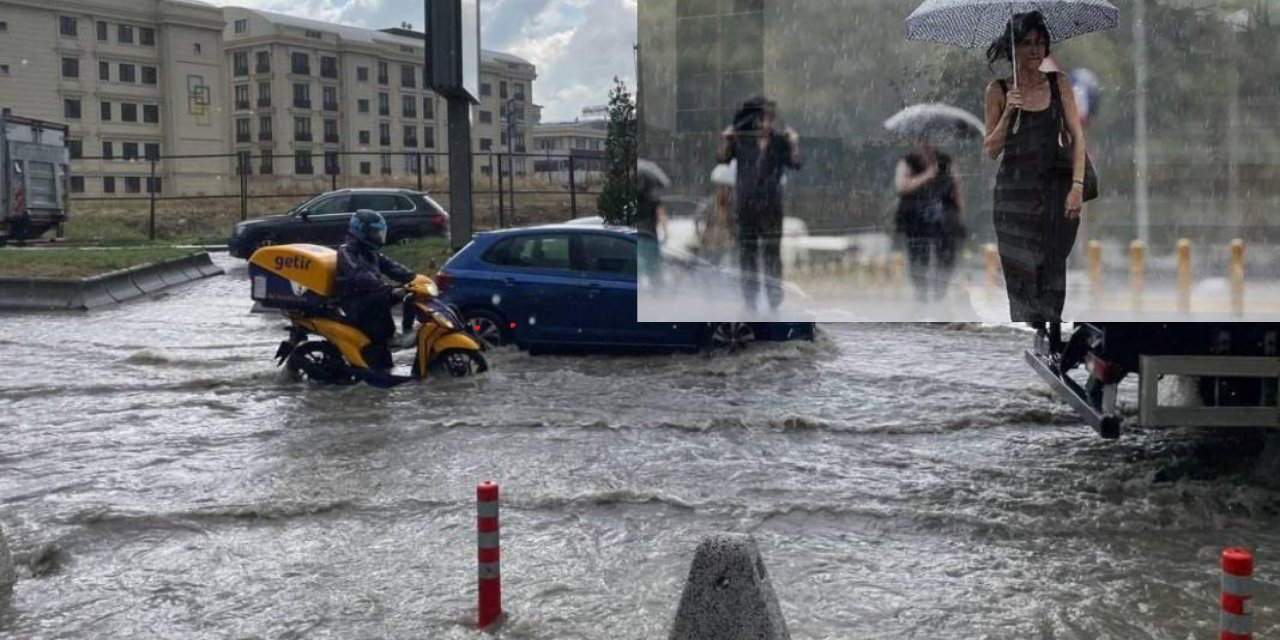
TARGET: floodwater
(160,478)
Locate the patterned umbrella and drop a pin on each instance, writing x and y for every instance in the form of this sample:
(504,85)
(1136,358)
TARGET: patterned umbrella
(977,23)
(933,119)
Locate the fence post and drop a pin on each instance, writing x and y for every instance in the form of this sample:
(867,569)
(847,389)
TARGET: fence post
(511,180)
(244,185)
(502,224)
(573,191)
(151,186)
(419,170)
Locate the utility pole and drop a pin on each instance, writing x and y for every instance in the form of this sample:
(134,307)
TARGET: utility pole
(1140,159)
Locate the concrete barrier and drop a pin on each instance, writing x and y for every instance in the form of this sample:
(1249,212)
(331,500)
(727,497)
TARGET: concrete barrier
(728,595)
(7,574)
(53,294)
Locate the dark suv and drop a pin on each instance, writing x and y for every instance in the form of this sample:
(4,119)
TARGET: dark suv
(323,219)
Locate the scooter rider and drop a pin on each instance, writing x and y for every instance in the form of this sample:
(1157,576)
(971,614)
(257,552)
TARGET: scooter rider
(364,297)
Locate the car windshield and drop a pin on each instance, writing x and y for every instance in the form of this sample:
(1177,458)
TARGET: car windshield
(304,205)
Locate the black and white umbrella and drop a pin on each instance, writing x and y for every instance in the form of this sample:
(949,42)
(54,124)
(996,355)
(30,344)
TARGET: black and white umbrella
(933,119)
(977,23)
(650,175)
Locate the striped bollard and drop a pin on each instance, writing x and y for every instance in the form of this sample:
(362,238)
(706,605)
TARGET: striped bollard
(993,264)
(1237,276)
(490,578)
(1184,275)
(1237,588)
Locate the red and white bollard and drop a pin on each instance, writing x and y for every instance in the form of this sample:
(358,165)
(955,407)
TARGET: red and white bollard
(1237,589)
(487,554)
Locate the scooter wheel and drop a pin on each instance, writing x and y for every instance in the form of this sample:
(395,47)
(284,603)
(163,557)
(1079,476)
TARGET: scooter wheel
(461,363)
(321,362)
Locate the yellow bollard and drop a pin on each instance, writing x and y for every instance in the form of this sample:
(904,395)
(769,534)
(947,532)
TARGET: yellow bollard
(897,270)
(993,262)
(1137,253)
(1184,275)
(1237,277)
(864,273)
(1095,268)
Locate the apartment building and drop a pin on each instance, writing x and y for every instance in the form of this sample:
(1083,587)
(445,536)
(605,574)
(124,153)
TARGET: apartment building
(311,98)
(133,79)
(582,139)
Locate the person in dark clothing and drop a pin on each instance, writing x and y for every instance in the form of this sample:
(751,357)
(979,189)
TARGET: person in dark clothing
(362,294)
(763,155)
(930,214)
(1036,210)
(650,218)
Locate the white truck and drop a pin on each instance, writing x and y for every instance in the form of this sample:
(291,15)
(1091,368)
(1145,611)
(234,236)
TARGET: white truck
(33,177)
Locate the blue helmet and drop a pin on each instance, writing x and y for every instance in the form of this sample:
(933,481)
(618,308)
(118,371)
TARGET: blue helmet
(368,226)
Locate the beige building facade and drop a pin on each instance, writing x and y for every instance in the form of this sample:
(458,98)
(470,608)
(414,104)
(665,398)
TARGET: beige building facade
(131,78)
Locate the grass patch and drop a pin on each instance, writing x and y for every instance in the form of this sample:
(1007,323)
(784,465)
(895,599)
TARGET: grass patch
(424,255)
(79,263)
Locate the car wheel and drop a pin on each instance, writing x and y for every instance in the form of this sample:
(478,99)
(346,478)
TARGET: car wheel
(488,328)
(724,338)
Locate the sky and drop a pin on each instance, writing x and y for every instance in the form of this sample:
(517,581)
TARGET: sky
(578,46)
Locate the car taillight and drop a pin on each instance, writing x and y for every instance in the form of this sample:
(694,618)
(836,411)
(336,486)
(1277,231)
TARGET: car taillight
(1104,371)
(443,281)
(441,221)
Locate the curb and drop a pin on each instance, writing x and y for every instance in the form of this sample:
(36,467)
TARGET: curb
(83,294)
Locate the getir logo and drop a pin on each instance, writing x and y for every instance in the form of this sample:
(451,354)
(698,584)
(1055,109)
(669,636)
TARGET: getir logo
(294,262)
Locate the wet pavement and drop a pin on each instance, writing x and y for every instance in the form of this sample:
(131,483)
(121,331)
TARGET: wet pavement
(159,477)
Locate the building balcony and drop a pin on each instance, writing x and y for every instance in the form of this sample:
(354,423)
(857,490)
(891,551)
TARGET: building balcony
(244,137)
(301,71)
(242,104)
(264,102)
(330,106)
(331,139)
(265,136)
(302,137)
(262,68)
(384,142)
(301,104)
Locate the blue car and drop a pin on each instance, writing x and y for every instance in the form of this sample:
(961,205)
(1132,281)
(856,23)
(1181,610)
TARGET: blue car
(573,286)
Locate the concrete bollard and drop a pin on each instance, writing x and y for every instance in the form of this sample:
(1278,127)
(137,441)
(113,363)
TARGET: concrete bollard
(1237,276)
(728,595)
(1137,257)
(1095,268)
(7,574)
(1184,275)
(993,263)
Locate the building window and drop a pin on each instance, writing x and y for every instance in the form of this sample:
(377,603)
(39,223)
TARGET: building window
(196,48)
(242,26)
(242,96)
(242,130)
(411,136)
(264,128)
(148,75)
(301,64)
(486,144)
(67,26)
(331,163)
(485,89)
(240,61)
(331,131)
(362,74)
(362,105)
(315,35)
(104,71)
(503,141)
(364,137)
(330,98)
(106,111)
(71,108)
(265,166)
(519,91)
(77,184)
(133,184)
(382,73)
(407,76)
(302,96)
(152,150)
(429,108)
(107,152)
(129,150)
(153,184)
(75,148)
(429,137)
(147,36)
(264,94)
(384,134)
(124,34)
(384,104)
(128,112)
(328,67)
(486,117)
(385,161)
(502,89)
(408,107)
(71,67)
(366,168)
(128,73)
(102,32)
(264,62)
(411,162)
(302,129)
(108,184)
(302,163)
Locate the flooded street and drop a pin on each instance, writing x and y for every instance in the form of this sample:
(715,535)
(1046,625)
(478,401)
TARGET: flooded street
(161,478)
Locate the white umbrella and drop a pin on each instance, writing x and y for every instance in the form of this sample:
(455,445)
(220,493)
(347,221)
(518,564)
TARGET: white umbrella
(933,118)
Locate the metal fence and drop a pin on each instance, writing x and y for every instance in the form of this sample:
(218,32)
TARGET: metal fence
(200,197)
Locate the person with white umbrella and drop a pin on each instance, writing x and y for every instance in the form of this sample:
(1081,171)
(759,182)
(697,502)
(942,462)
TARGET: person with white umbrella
(651,220)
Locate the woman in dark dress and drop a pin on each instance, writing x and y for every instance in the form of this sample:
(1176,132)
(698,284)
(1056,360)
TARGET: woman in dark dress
(1037,209)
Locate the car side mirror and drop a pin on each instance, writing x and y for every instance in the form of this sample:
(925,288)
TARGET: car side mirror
(303,213)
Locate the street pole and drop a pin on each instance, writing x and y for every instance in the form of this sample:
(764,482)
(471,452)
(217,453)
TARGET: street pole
(460,218)
(151,187)
(1140,159)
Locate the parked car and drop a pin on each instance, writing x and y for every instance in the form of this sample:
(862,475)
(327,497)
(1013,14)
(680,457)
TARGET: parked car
(323,219)
(574,286)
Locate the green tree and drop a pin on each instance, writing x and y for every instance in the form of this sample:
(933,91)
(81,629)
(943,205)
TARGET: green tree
(617,201)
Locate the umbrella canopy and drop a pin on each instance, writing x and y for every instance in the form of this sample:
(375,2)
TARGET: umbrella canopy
(977,23)
(650,175)
(934,119)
